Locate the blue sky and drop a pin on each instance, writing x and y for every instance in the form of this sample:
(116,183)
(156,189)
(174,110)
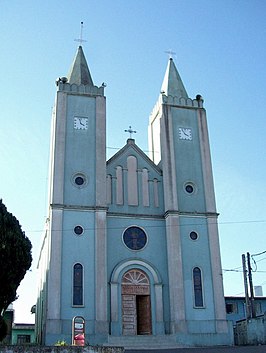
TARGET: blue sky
(220,54)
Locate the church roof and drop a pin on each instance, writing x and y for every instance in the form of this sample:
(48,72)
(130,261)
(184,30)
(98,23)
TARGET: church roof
(132,146)
(172,83)
(79,72)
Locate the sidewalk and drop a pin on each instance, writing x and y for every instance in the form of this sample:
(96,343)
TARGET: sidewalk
(234,349)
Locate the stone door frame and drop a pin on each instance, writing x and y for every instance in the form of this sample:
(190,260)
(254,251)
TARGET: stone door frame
(135,290)
(155,289)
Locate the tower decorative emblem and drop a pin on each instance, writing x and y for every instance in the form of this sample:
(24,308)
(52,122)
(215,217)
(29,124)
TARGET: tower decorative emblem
(130,131)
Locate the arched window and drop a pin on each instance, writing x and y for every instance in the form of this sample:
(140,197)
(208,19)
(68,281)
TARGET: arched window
(78,284)
(197,282)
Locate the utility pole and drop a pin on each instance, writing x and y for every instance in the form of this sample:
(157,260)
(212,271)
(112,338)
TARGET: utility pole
(246,286)
(253,311)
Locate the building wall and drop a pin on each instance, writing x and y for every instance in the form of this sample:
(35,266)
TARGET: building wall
(130,190)
(236,307)
(23,334)
(251,331)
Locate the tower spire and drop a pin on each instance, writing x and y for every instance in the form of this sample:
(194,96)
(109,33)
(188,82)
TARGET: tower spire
(79,72)
(172,83)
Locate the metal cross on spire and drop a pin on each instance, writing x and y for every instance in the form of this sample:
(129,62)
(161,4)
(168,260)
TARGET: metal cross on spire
(171,53)
(80,40)
(130,131)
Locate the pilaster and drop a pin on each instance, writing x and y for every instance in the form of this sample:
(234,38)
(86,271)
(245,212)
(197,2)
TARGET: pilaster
(57,162)
(206,161)
(53,324)
(175,273)
(168,159)
(101,324)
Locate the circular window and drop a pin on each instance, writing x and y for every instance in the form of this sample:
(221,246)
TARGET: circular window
(78,230)
(189,188)
(135,238)
(193,236)
(79,180)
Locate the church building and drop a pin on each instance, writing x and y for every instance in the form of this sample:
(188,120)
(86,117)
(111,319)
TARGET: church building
(130,253)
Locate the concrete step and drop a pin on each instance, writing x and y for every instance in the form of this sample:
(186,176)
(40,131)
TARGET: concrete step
(145,342)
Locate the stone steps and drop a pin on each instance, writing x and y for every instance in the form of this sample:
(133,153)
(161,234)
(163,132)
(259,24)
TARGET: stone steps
(145,342)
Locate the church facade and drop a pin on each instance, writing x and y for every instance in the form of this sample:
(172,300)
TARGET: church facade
(131,247)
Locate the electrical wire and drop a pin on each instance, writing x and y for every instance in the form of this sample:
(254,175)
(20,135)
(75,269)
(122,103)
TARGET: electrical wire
(163,226)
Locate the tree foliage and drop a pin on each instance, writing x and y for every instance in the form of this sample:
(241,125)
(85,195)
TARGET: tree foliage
(3,328)
(15,257)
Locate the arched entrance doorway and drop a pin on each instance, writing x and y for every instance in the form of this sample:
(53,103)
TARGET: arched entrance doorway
(136,303)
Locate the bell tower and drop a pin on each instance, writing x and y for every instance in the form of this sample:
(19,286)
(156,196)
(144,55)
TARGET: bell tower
(178,139)
(76,229)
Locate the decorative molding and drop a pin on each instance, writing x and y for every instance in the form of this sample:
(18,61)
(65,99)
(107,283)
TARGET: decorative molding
(77,208)
(191,214)
(81,89)
(135,215)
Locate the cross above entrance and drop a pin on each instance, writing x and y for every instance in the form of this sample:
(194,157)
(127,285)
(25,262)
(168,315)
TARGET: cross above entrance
(130,131)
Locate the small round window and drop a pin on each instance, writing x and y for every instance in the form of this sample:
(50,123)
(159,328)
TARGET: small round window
(135,238)
(79,180)
(78,230)
(189,188)
(193,235)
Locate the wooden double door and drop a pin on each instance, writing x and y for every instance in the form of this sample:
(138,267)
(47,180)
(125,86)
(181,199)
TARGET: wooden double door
(136,304)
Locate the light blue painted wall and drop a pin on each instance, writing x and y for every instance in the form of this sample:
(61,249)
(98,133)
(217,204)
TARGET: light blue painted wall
(82,251)
(154,254)
(80,151)
(188,160)
(195,255)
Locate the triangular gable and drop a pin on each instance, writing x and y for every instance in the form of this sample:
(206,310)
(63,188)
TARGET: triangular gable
(131,146)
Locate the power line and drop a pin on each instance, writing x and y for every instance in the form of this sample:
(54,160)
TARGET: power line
(260,253)
(235,269)
(179,225)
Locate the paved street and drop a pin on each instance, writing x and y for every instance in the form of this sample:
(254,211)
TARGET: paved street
(249,349)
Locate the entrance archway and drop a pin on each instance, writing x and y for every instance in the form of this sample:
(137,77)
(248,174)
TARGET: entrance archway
(136,303)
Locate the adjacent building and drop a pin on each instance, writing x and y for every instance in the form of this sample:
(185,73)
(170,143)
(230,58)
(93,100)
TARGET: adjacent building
(236,308)
(23,334)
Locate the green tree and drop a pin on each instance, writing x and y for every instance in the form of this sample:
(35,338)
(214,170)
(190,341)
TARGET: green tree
(15,260)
